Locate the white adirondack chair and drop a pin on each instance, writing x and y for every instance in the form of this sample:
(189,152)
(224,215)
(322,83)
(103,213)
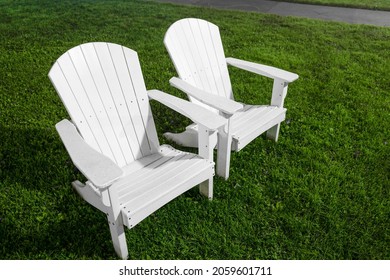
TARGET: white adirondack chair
(112,138)
(196,50)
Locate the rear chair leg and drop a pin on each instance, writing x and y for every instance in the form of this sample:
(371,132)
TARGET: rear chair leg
(273,132)
(206,188)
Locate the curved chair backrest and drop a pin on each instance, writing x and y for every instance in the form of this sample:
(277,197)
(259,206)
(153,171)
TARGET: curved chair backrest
(102,88)
(196,50)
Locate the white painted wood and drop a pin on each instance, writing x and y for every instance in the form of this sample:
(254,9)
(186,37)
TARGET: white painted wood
(205,146)
(73,73)
(172,167)
(142,99)
(264,126)
(202,59)
(192,45)
(158,179)
(195,47)
(118,237)
(114,143)
(264,70)
(194,112)
(258,116)
(206,188)
(279,92)
(273,132)
(88,97)
(97,83)
(252,117)
(162,164)
(145,161)
(103,193)
(89,195)
(119,107)
(223,104)
(98,168)
(224,151)
(220,68)
(123,93)
(108,112)
(77,113)
(165,195)
(187,138)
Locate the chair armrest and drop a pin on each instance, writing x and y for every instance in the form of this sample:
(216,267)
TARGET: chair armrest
(220,103)
(264,70)
(98,168)
(196,113)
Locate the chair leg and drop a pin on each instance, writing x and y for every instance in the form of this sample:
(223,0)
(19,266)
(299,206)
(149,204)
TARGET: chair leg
(206,188)
(223,154)
(117,231)
(273,132)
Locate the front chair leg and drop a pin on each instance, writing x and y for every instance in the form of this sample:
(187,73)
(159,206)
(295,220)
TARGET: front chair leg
(223,154)
(117,231)
(279,92)
(206,142)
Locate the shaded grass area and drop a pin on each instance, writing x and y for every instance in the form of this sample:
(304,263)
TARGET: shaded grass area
(321,192)
(366,4)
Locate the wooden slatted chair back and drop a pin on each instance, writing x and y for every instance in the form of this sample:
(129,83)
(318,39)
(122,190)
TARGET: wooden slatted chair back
(196,50)
(103,90)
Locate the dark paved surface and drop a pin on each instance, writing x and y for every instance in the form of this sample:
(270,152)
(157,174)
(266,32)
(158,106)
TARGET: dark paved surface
(349,15)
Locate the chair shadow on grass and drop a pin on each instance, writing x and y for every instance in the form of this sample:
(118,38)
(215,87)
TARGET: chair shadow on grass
(40,214)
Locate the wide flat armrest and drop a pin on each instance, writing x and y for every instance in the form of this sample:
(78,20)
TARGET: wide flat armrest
(264,70)
(98,168)
(220,103)
(196,113)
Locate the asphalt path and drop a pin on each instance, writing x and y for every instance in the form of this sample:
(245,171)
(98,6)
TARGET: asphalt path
(349,15)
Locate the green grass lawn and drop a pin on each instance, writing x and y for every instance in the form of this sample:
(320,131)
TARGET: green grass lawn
(321,192)
(364,4)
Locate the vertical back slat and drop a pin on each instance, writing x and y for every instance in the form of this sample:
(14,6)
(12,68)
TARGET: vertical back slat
(116,94)
(195,47)
(206,38)
(221,59)
(150,141)
(194,53)
(133,124)
(94,82)
(102,129)
(72,105)
(206,59)
(191,65)
(103,102)
(180,60)
(92,129)
(185,58)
